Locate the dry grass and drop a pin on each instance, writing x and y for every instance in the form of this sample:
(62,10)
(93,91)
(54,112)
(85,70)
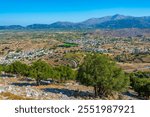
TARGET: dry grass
(11,96)
(64,86)
(134,66)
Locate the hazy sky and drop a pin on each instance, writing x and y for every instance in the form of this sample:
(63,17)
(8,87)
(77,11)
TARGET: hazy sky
(24,12)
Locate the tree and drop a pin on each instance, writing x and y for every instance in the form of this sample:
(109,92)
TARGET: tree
(40,70)
(17,68)
(63,73)
(102,73)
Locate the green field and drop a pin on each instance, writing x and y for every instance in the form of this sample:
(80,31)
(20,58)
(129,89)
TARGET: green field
(67,45)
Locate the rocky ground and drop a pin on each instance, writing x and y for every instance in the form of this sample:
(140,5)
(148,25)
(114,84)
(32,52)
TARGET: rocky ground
(14,88)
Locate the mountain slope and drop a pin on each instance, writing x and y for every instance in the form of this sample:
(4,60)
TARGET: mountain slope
(96,21)
(11,27)
(109,22)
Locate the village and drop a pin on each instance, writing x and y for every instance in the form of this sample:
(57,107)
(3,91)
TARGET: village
(130,54)
(105,45)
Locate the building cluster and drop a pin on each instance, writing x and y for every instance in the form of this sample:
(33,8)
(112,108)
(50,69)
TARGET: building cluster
(104,45)
(96,45)
(90,45)
(29,55)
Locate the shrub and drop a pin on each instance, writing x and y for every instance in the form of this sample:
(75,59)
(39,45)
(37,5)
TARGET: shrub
(141,86)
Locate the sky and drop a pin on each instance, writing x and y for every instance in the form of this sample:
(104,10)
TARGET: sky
(25,12)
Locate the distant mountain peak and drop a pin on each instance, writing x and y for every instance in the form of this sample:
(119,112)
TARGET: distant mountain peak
(112,22)
(94,21)
(118,17)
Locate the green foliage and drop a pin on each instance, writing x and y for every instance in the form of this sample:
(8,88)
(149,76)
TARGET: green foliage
(63,73)
(102,73)
(1,68)
(141,74)
(142,86)
(67,45)
(40,70)
(140,81)
(17,68)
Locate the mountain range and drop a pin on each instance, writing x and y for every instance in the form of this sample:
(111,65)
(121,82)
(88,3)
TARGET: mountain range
(109,22)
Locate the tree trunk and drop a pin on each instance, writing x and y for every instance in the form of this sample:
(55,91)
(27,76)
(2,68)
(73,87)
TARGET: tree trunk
(101,91)
(37,82)
(95,90)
